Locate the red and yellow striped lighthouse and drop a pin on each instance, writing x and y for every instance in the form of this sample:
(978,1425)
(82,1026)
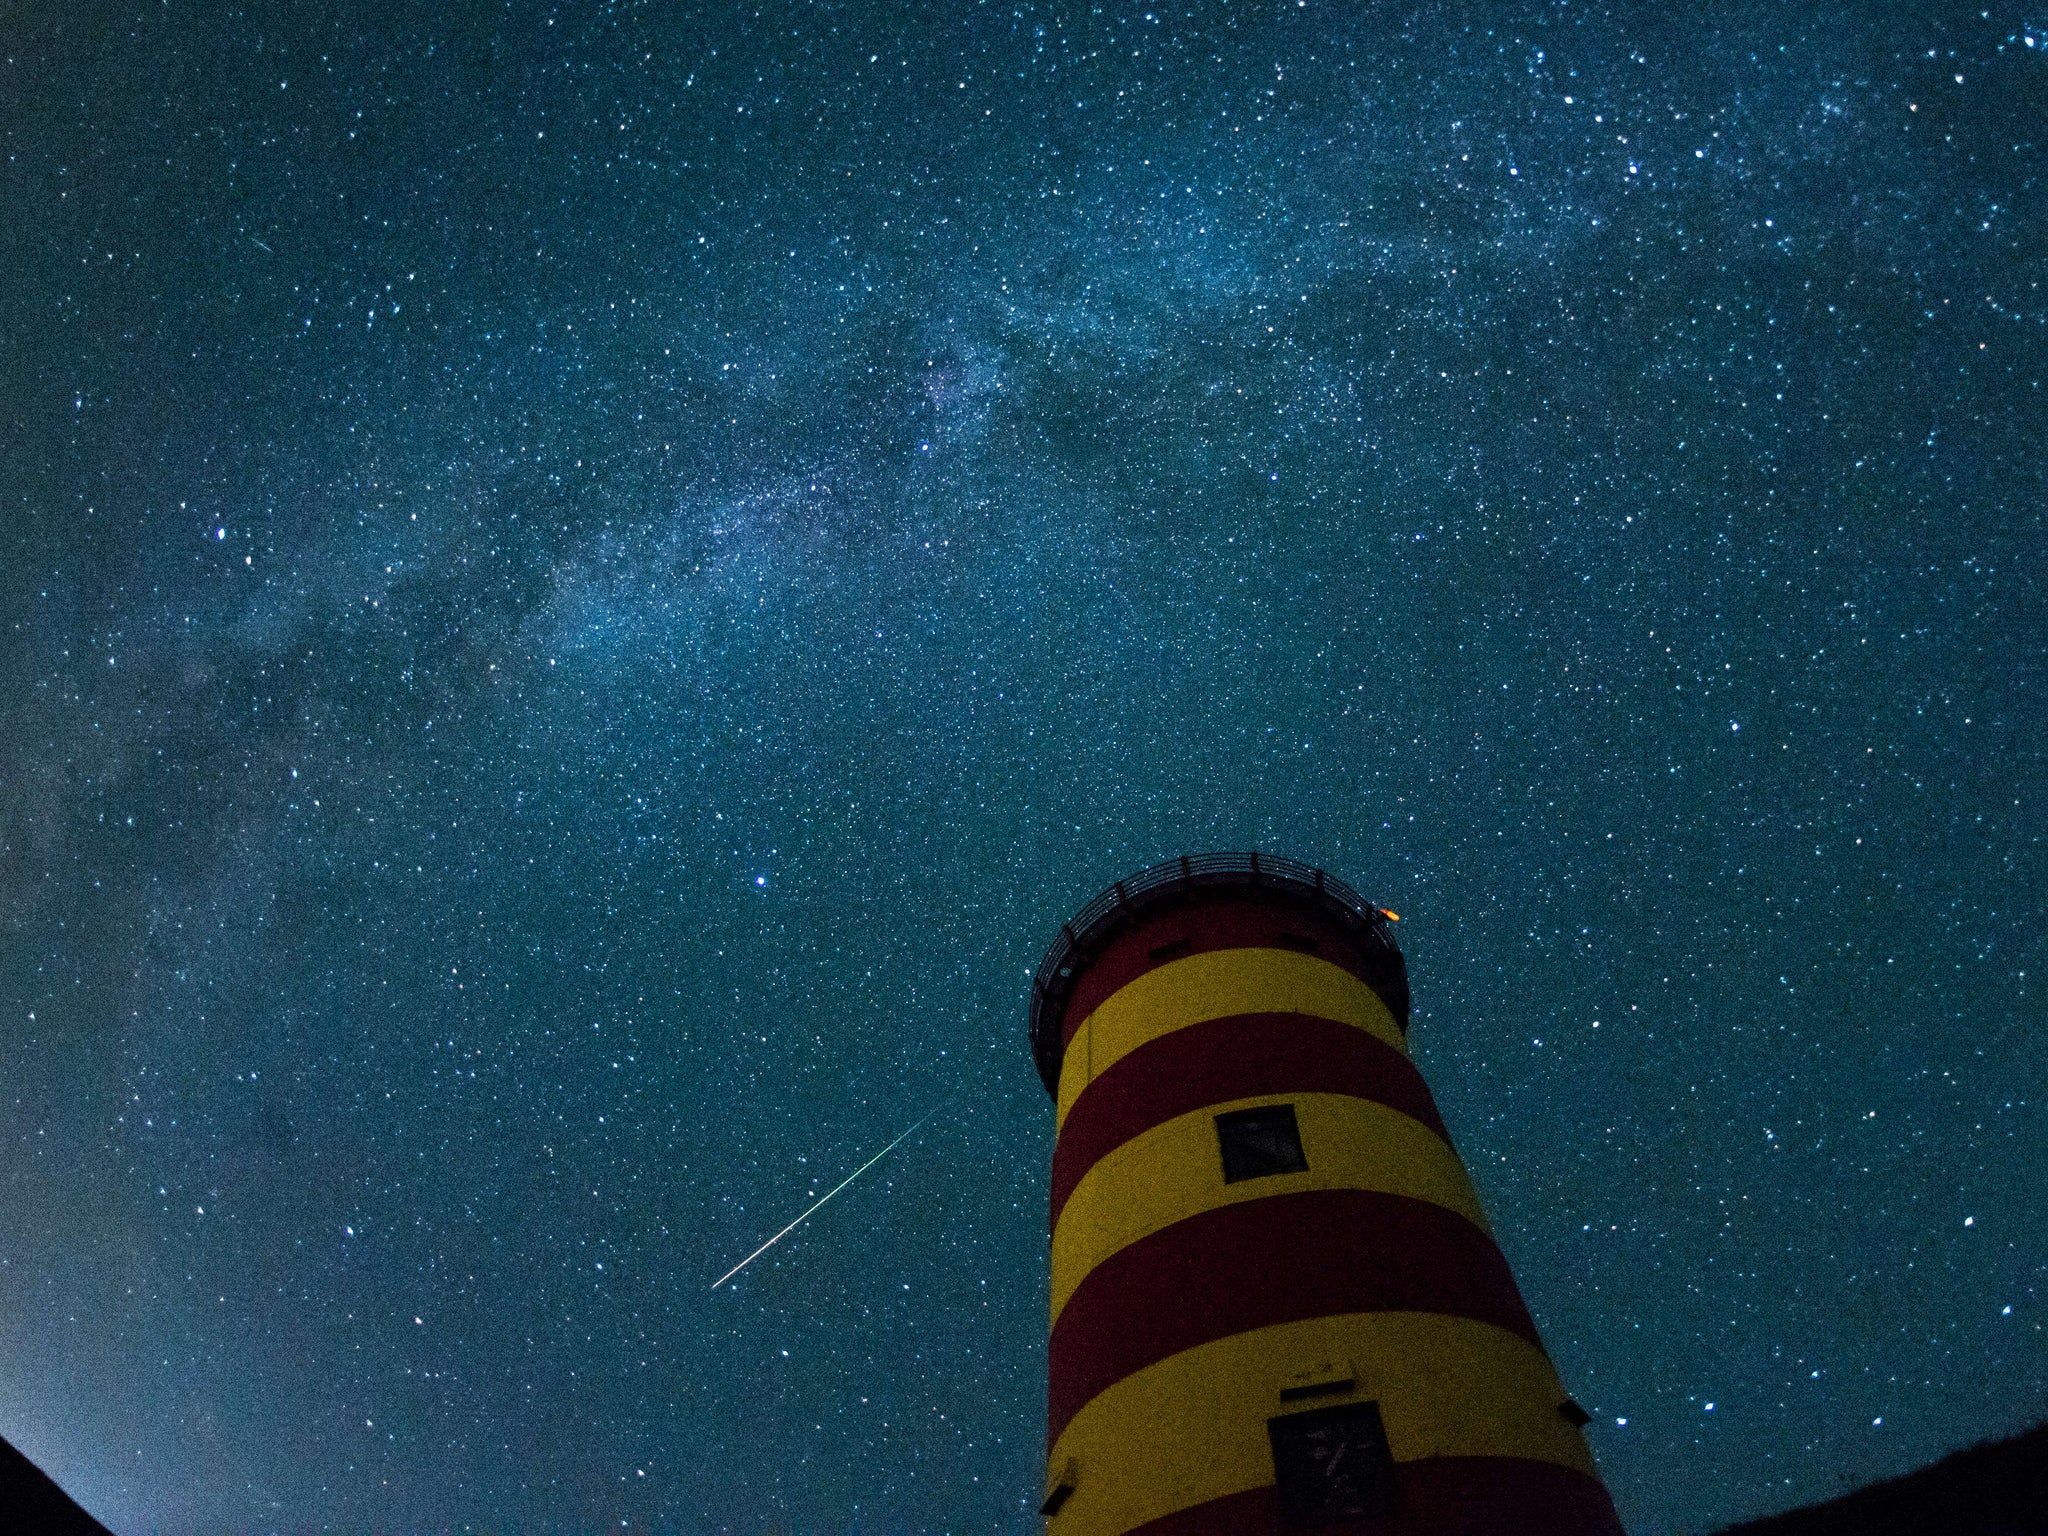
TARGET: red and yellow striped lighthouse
(1276,1305)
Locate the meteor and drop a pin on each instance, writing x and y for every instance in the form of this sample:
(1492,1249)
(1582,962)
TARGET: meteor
(778,1237)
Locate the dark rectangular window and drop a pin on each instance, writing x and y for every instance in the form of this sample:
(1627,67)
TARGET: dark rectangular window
(1260,1142)
(1332,1465)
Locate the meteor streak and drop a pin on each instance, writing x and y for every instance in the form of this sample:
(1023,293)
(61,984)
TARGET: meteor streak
(778,1237)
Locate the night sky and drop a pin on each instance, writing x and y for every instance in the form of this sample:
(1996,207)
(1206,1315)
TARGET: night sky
(585,588)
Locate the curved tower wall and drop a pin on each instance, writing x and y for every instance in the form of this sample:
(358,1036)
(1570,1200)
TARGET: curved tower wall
(1276,1303)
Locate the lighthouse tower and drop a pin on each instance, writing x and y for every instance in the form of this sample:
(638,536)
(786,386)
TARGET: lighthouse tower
(1276,1303)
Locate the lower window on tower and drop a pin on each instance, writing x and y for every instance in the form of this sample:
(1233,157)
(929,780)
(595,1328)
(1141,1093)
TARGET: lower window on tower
(1331,1465)
(1260,1142)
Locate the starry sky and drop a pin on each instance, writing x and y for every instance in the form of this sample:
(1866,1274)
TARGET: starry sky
(585,587)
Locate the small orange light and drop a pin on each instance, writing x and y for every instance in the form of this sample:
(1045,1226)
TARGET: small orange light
(1392,917)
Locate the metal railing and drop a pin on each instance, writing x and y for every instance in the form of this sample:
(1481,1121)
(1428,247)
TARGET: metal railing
(1119,905)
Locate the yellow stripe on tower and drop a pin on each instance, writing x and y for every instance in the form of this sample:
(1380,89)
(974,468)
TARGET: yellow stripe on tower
(1175,1170)
(1216,985)
(1193,1427)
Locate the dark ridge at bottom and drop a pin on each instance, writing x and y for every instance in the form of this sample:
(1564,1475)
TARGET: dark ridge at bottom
(1996,1489)
(30,1501)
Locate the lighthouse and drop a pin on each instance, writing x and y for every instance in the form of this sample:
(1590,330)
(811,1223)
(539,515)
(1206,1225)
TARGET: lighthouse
(1276,1303)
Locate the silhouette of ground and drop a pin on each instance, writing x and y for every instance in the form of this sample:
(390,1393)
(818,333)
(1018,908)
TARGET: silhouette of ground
(30,1501)
(1996,1489)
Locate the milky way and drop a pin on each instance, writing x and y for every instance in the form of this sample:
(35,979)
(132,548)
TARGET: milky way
(586,588)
